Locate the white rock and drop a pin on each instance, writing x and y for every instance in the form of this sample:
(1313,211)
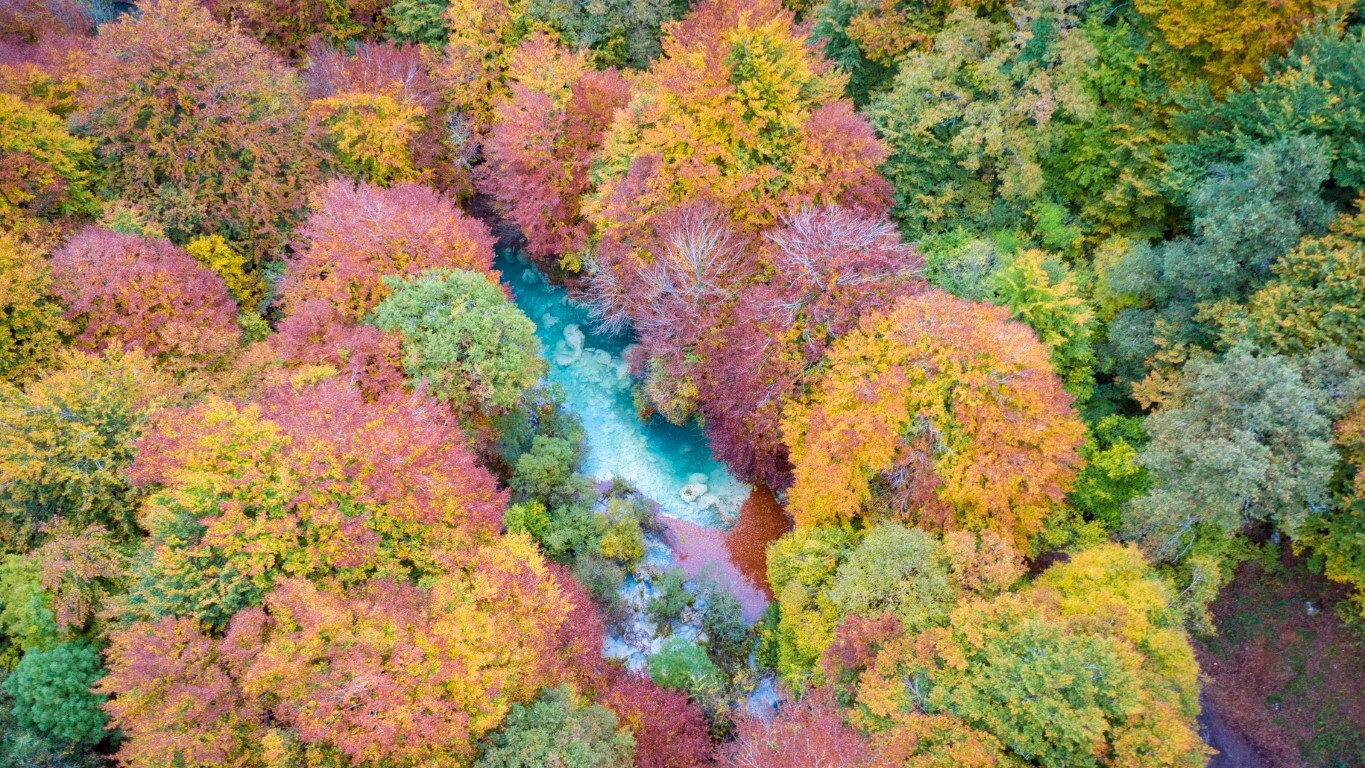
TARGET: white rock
(692,491)
(573,337)
(709,501)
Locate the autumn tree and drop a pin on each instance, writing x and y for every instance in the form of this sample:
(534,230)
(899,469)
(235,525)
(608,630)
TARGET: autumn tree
(483,35)
(740,109)
(125,291)
(464,340)
(808,732)
(545,133)
(896,570)
(199,123)
(262,489)
(68,440)
(1232,38)
(29,20)
(378,111)
(828,266)
(288,26)
(904,424)
(445,662)
(175,697)
(1089,667)
(31,322)
(894,578)
(358,234)
(44,170)
(448,662)
(1245,438)
(316,334)
(668,728)
(739,114)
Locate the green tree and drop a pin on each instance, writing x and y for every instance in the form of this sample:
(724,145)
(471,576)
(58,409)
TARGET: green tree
(1243,219)
(1088,667)
(1245,438)
(1041,293)
(683,666)
(418,21)
(670,599)
(67,441)
(896,570)
(617,33)
(51,692)
(1112,474)
(463,339)
(727,636)
(1316,88)
(555,730)
(801,568)
(27,622)
(1316,298)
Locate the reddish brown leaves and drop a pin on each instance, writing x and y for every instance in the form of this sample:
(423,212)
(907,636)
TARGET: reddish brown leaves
(124,290)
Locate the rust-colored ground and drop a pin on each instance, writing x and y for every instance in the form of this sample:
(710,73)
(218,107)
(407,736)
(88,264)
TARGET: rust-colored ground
(734,558)
(1285,684)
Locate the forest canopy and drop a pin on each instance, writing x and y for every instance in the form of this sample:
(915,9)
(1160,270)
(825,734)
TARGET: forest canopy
(1033,320)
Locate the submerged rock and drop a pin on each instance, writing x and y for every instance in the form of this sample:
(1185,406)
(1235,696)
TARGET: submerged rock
(570,348)
(692,491)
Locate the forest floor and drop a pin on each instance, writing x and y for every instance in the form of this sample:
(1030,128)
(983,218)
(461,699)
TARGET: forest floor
(1284,677)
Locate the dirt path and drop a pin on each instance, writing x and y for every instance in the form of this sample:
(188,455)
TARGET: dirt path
(1234,750)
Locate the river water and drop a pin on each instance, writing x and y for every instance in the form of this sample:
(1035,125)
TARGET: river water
(718,526)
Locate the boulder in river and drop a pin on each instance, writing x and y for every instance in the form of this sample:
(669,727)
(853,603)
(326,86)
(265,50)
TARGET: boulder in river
(570,348)
(692,491)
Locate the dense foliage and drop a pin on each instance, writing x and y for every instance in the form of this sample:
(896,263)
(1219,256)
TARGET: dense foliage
(1036,317)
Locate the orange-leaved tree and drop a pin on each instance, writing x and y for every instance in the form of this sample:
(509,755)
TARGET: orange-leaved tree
(358,234)
(740,109)
(200,124)
(938,412)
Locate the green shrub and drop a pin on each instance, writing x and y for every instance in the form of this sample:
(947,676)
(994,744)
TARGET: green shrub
(683,666)
(670,599)
(51,692)
(555,730)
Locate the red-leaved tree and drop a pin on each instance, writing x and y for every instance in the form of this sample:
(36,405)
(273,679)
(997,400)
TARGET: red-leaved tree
(358,234)
(670,731)
(827,267)
(315,334)
(545,134)
(125,291)
(176,698)
(803,734)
